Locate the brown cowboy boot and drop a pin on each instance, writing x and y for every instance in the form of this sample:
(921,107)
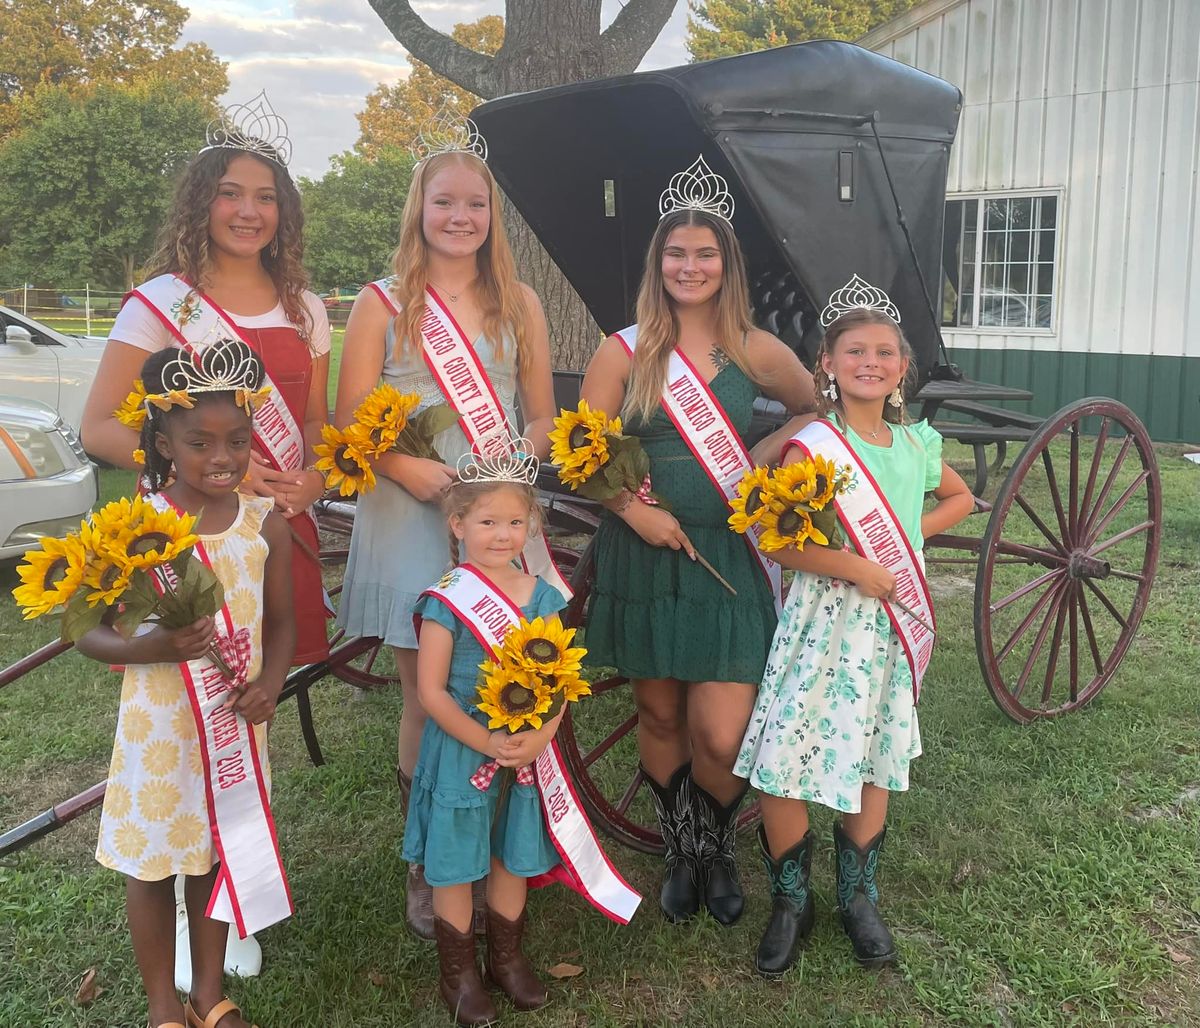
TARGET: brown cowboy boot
(459,983)
(508,967)
(479,905)
(418,904)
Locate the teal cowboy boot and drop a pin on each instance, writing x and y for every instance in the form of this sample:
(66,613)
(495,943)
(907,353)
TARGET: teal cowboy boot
(792,912)
(858,898)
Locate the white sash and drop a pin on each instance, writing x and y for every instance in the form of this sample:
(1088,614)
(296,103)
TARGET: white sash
(584,867)
(873,528)
(460,375)
(251,891)
(701,420)
(193,319)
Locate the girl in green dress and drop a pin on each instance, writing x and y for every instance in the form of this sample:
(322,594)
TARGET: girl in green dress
(694,652)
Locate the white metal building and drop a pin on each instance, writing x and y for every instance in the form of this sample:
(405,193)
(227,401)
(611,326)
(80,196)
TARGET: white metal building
(1072,253)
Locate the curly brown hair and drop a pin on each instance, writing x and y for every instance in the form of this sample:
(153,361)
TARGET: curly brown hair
(856,319)
(183,240)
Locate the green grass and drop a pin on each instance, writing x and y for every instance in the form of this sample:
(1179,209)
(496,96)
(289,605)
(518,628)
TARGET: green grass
(1044,875)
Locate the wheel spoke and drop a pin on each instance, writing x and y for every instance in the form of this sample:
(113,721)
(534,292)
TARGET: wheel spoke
(602,748)
(1101,440)
(1127,575)
(1120,619)
(1056,643)
(1091,634)
(628,795)
(1023,627)
(1120,537)
(1052,480)
(1025,589)
(372,656)
(1074,641)
(1041,525)
(1094,532)
(1105,489)
(1039,641)
(1074,475)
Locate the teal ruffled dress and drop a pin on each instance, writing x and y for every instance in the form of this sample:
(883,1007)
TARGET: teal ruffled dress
(449,828)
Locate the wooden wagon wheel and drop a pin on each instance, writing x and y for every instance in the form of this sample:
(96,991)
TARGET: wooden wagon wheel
(1068,560)
(599,744)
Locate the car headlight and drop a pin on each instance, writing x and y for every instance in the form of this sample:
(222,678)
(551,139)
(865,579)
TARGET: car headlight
(27,452)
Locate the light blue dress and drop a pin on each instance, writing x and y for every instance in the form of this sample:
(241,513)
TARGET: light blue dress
(449,828)
(399,544)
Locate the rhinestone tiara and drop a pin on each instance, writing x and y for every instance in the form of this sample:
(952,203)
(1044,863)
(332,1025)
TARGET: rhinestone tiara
(697,188)
(223,366)
(253,127)
(515,463)
(858,294)
(449,132)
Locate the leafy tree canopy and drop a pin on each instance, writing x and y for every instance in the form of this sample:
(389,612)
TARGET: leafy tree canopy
(88,179)
(352,216)
(79,44)
(720,28)
(394,114)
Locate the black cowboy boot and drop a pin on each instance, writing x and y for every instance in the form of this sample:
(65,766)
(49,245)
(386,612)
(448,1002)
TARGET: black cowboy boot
(858,897)
(792,911)
(716,832)
(680,897)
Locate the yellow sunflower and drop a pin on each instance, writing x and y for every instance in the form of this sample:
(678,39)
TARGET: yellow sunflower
(50,575)
(579,443)
(789,526)
(171,398)
(570,686)
(750,503)
(108,531)
(795,483)
(542,646)
(383,414)
(139,457)
(512,698)
(132,412)
(830,480)
(106,580)
(155,537)
(343,461)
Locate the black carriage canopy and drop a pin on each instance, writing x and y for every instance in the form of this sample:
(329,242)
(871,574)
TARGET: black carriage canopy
(793,130)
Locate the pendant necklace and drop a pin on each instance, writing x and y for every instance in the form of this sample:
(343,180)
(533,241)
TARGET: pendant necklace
(452,297)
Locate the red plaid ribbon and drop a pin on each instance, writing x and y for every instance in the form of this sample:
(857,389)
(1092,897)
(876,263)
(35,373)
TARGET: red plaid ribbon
(235,651)
(482,779)
(643,493)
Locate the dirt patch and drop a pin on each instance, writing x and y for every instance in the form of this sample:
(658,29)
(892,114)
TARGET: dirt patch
(1189,795)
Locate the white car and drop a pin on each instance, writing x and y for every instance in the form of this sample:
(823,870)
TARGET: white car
(38,363)
(47,483)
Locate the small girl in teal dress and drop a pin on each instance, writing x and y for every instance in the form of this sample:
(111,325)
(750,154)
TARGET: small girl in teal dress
(836,721)
(453,828)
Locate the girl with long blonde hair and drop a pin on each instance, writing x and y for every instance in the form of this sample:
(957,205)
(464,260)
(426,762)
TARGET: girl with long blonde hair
(453,254)
(694,652)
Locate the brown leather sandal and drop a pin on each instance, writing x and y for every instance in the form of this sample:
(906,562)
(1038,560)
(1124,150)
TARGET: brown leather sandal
(219,1010)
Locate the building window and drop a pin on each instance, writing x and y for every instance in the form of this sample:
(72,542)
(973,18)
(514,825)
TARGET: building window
(998,262)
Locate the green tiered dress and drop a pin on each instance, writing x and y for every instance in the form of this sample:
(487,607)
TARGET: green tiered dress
(654,612)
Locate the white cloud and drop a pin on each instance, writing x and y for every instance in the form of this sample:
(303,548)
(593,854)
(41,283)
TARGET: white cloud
(318,59)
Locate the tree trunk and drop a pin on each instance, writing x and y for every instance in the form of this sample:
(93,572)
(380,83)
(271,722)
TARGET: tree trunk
(546,43)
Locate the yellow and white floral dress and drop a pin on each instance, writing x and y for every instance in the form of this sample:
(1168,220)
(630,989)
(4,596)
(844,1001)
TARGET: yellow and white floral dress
(154,823)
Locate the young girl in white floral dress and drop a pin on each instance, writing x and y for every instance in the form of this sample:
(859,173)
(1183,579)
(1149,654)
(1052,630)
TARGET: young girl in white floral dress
(157,815)
(836,722)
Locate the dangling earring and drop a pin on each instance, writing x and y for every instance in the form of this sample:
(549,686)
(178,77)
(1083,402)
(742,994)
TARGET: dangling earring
(275,246)
(897,398)
(831,392)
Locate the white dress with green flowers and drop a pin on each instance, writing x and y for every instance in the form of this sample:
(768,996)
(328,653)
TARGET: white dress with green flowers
(835,709)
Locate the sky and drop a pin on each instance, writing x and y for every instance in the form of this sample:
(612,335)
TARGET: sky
(318,59)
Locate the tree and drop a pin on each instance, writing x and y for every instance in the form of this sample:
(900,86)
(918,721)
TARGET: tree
(87,180)
(352,216)
(394,114)
(80,43)
(719,28)
(546,43)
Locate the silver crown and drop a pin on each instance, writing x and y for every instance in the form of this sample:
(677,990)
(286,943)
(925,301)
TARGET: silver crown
(253,127)
(858,294)
(513,461)
(223,366)
(698,188)
(449,132)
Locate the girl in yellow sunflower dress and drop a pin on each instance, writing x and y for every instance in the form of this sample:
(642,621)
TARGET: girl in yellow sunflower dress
(155,821)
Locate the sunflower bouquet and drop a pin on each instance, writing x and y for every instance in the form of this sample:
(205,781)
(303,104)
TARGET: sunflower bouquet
(791,505)
(384,421)
(595,458)
(129,554)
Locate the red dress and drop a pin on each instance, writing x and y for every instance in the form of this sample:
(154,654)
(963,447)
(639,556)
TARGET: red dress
(288,362)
